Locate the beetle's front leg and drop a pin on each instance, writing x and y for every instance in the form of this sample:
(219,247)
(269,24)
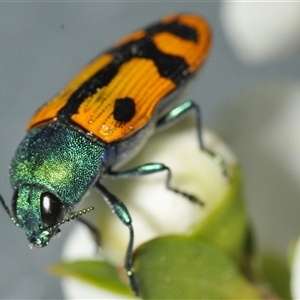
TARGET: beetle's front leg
(117,207)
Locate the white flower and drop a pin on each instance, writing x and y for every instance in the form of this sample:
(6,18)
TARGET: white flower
(261,32)
(154,209)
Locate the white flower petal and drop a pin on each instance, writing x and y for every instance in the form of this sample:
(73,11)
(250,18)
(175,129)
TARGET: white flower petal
(261,31)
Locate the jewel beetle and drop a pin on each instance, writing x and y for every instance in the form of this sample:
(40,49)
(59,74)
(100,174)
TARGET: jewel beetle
(100,120)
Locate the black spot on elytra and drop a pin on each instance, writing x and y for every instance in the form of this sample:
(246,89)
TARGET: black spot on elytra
(169,66)
(124,109)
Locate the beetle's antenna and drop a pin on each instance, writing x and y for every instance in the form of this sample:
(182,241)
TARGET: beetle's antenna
(8,211)
(73,216)
(5,207)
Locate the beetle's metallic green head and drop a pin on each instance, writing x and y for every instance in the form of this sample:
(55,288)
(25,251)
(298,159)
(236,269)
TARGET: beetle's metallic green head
(52,169)
(38,213)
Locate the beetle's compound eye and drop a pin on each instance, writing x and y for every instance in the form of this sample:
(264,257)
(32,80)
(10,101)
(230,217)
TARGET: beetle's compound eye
(51,209)
(14,204)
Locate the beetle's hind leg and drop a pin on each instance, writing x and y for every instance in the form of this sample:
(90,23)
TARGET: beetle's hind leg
(180,111)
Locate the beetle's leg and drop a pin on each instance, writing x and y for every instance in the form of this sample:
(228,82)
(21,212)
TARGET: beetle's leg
(181,110)
(151,168)
(93,230)
(122,213)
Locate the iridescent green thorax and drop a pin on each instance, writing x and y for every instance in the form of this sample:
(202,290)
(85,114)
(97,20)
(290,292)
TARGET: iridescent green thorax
(53,158)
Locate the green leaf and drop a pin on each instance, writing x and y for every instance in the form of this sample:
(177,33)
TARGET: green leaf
(226,225)
(99,273)
(275,271)
(177,267)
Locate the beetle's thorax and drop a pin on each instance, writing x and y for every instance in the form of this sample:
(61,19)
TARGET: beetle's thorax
(54,159)
(59,158)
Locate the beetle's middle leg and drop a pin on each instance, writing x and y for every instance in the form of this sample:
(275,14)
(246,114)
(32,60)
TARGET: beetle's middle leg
(152,168)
